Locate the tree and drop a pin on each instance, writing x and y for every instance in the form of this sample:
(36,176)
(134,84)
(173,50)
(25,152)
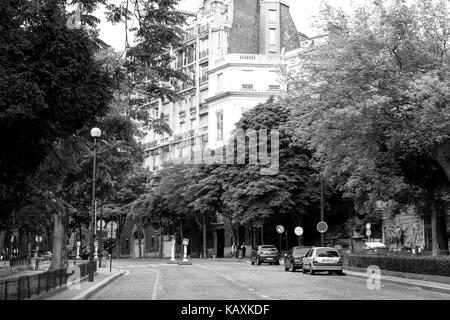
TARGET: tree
(374,101)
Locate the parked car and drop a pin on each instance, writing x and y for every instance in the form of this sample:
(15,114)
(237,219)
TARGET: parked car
(322,259)
(48,255)
(265,254)
(294,259)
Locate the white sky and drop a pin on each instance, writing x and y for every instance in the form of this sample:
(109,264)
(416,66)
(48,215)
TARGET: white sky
(302,11)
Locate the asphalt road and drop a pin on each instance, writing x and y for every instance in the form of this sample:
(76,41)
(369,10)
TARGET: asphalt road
(226,280)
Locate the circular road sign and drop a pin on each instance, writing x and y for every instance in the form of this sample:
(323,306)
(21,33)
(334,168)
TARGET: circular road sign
(280,229)
(185,242)
(368,233)
(322,227)
(111,225)
(368,226)
(298,231)
(38,239)
(101,224)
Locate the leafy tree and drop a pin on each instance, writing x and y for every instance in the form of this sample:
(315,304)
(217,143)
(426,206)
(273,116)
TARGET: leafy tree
(373,104)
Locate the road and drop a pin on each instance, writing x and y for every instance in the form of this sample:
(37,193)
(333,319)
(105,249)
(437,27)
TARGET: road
(226,280)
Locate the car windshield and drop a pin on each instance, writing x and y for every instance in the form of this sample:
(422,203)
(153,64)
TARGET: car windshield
(300,252)
(326,252)
(270,249)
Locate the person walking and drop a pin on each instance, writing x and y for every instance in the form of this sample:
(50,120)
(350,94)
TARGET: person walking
(243,248)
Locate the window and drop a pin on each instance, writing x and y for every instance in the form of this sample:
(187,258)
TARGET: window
(219,121)
(219,82)
(272,15)
(272,37)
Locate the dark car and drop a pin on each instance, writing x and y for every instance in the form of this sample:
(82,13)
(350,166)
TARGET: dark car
(265,254)
(294,259)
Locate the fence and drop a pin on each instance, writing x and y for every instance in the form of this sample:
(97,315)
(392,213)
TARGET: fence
(25,287)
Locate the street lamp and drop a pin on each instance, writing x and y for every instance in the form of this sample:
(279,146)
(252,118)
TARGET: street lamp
(95,133)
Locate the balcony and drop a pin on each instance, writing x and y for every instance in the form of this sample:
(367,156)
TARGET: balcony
(248,58)
(203,129)
(150,145)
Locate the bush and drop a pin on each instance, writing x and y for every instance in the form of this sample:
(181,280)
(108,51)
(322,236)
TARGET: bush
(437,266)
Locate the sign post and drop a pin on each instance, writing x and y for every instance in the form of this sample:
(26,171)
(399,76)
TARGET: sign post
(172,258)
(280,230)
(322,227)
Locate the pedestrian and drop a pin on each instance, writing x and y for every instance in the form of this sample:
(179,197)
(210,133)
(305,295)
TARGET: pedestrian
(243,248)
(233,249)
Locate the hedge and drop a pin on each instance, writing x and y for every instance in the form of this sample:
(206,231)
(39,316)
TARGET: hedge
(437,266)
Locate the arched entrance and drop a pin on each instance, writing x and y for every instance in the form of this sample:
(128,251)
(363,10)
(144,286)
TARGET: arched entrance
(135,234)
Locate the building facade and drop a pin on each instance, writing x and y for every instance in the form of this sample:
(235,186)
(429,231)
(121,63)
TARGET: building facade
(233,54)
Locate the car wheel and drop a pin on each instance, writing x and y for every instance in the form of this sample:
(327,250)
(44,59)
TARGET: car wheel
(311,271)
(340,273)
(330,273)
(252,262)
(259,262)
(292,268)
(286,268)
(277,263)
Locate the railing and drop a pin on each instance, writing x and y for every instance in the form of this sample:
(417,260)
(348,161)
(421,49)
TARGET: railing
(25,287)
(151,144)
(203,129)
(204,78)
(249,58)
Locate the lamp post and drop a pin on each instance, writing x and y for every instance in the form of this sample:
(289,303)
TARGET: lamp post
(95,133)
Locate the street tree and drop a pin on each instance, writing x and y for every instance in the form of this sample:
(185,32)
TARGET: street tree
(373,104)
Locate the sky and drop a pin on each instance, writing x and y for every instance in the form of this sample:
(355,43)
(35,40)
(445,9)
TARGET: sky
(302,11)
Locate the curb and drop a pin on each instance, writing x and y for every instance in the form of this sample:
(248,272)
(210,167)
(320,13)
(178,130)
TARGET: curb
(95,288)
(429,287)
(57,290)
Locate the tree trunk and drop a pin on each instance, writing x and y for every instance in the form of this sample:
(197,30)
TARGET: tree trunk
(204,237)
(440,156)
(58,242)
(160,241)
(438,227)
(262,233)
(139,241)
(2,239)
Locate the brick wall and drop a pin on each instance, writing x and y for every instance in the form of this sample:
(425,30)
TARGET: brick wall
(244,31)
(289,35)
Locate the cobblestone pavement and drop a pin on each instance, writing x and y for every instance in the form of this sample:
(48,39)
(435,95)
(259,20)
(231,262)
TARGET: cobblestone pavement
(230,280)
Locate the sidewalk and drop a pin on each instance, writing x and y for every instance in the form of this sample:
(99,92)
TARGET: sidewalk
(101,278)
(404,281)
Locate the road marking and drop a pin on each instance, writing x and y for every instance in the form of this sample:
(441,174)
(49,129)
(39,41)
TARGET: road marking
(155,287)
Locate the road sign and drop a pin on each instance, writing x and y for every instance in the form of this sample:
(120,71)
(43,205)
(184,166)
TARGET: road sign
(38,239)
(322,227)
(280,229)
(101,225)
(185,242)
(368,226)
(111,225)
(298,231)
(111,234)
(368,233)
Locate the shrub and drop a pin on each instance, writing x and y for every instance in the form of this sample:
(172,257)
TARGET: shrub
(438,266)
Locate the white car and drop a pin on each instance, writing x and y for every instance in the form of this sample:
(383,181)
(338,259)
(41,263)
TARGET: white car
(322,259)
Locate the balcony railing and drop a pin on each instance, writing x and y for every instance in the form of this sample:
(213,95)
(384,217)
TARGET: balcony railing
(151,144)
(203,129)
(248,58)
